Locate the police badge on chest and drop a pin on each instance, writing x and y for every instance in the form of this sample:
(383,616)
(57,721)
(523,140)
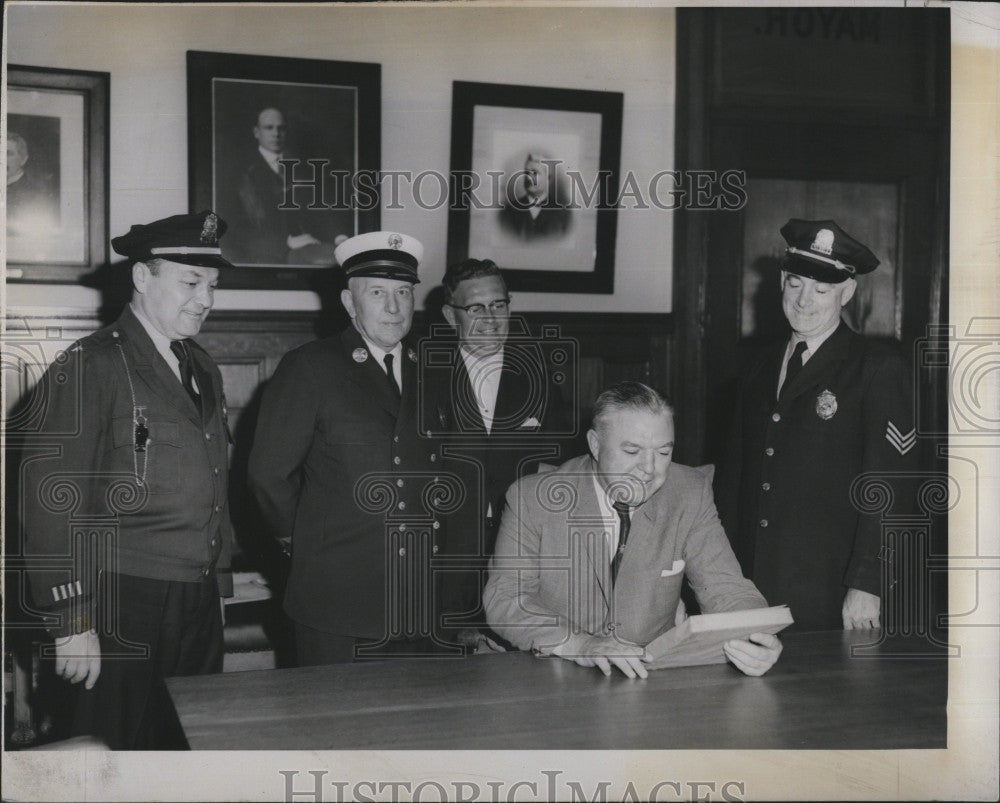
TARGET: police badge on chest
(826,405)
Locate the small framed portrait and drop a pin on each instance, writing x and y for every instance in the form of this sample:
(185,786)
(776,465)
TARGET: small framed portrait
(534,174)
(287,152)
(57,173)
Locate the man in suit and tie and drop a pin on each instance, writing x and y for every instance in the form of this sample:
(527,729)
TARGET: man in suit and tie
(495,401)
(590,558)
(125,502)
(815,412)
(269,234)
(342,473)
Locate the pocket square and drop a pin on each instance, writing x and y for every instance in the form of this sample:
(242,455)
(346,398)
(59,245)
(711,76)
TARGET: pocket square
(677,568)
(529,422)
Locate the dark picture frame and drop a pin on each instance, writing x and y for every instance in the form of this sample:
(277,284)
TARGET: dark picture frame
(57,208)
(283,225)
(534,183)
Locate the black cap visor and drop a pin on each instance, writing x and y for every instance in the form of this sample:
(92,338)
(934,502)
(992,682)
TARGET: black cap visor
(814,269)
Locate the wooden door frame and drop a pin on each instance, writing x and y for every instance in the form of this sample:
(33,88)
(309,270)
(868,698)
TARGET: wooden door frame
(696,122)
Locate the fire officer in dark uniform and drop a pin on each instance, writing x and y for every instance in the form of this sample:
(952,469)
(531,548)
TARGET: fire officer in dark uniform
(342,474)
(125,515)
(815,412)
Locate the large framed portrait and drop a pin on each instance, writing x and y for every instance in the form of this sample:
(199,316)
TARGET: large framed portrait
(57,173)
(287,152)
(534,174)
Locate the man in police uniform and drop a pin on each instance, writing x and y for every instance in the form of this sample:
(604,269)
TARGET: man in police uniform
(340,470)
(125,498)
(815,412)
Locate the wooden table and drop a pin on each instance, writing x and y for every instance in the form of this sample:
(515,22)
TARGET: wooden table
(816,696)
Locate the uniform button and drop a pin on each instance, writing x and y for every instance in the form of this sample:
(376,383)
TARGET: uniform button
(395,438)
(396,460)
(215,541)
(434,457)
(401,505)
(114,334)
(399,483)
(402,551)
(218,508)
(776,417)
(612,625)
(763,522)
(436,525)
(208,436)
(215,470)
(766,486)
(769,451)
(204,572)
(434,549)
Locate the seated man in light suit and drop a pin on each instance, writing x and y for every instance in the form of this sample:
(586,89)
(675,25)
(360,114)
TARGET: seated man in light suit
(590,558)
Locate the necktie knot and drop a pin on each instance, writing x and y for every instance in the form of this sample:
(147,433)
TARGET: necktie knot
(625,523)
(794,364)
(180,351)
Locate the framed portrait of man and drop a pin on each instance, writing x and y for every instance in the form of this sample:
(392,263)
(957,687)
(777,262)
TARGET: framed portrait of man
(57,173)
(535,172)
(287,152)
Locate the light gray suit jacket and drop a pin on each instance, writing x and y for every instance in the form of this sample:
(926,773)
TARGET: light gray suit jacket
(550,575)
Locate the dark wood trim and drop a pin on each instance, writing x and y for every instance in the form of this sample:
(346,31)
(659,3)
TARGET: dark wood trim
(690,235)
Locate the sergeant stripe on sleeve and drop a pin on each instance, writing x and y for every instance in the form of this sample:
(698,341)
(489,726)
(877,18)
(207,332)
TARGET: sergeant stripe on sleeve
(67,590)
(902,442)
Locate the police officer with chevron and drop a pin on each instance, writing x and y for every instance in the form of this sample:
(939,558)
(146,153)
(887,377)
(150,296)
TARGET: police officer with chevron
(343,476)
(814,413)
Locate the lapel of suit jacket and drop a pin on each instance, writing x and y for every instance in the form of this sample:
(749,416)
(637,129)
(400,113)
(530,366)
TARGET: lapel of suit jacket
(834,349)
(152,369)
(410,391)
(514,391)
(465,415)
(206,384)
(368,373)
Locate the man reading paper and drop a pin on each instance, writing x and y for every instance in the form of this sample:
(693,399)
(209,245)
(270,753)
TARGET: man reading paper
(590,558)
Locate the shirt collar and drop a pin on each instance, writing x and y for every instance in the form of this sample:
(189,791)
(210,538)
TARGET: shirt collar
(812,343)
(379,353)
(270,157)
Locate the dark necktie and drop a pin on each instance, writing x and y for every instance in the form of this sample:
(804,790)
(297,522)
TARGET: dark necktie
(794,366)
(387,359)
(624,524)
(180,350)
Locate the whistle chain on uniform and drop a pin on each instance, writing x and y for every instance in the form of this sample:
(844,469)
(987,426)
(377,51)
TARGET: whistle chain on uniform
(794,365)
(180,350)
(625,523)
(139,420)
(387,359)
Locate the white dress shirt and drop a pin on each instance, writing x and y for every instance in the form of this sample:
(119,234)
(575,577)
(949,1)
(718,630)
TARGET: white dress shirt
(484,375)
(812,343)
(609,516)
(397,357)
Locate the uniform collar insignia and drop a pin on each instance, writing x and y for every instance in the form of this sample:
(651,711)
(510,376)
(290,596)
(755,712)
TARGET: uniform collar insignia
(360,355)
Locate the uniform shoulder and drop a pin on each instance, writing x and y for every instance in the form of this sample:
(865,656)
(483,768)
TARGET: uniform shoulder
(326,349)
(882,353)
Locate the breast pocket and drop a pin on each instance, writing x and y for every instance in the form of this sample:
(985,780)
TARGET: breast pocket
(159,465)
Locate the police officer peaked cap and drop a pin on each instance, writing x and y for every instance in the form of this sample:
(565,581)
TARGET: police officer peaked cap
(823,251)
(189,239)
(385,254)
